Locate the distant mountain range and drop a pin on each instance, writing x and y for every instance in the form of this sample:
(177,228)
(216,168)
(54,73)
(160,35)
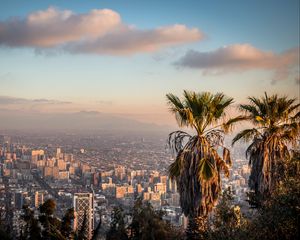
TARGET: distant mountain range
(84,120)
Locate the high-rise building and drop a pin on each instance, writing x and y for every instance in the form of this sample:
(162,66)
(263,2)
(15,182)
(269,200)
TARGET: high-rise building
(68,157)
(59,154)
(120,172)
(63,175)
(85,168)
(36,155)
(62,165)
(163,179)
(38,198)
(160,187)
(55,173)
(48,171)
(19,200)
(139,188)
(146,196)
(84,212)
(72,170)
(51,162)
(121,191)
(58,151)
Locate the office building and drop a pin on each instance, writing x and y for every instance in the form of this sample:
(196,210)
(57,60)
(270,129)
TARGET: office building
(84,208)
(38,198)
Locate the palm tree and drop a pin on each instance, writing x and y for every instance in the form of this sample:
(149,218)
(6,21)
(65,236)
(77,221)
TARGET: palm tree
(197,165)
(276,125)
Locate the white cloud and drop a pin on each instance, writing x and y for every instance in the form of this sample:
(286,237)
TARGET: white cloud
(100,31)
(241,57)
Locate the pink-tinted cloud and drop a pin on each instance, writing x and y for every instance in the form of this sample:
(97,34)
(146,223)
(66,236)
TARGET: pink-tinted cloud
(53,27)
(242,57)
(100,31)
(131,40)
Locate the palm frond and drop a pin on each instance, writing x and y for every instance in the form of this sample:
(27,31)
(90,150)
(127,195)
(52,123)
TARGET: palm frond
(206,169)
(296,117)
(226,156)
(246,135)
(215,137)
(198,110)
(221,102)
(175,167)
(249,108)
(177,141)
(177,107)
(227,126)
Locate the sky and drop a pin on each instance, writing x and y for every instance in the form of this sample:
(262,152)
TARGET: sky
(122,57)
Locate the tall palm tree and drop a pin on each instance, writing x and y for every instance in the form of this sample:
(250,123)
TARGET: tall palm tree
(276,125)
(197,165)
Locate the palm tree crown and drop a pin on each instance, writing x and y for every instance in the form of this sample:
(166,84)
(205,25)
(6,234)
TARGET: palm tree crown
(197,165)
(276,125)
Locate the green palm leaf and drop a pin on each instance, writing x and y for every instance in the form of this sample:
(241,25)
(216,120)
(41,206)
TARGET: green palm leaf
(206,169)
(246,135)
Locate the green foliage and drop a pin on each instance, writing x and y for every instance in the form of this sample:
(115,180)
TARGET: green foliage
(66,228)
(48,207)
(147,224)
(49,222)
(32,228)
(206,169)
(197,228)
(293,165)
(46,226)
(117,227)
(278,218)
(97,229)
(228,222)
(198,110)
(277,215)
(226,213)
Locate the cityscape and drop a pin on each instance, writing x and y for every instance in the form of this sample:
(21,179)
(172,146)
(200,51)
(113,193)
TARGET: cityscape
(149,120)
(104,171)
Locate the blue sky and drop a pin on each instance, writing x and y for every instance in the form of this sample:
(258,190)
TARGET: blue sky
(238,47)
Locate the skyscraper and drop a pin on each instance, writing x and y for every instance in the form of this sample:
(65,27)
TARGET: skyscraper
(84,212)
(36,155)
(19,200)
(38,198)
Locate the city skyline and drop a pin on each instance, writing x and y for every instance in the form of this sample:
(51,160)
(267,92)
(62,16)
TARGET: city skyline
(121,58)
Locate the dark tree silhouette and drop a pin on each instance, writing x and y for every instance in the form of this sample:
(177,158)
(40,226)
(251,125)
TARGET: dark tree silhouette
(117,227)
(66,228)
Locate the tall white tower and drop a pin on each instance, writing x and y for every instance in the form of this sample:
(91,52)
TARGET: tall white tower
(84,208)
